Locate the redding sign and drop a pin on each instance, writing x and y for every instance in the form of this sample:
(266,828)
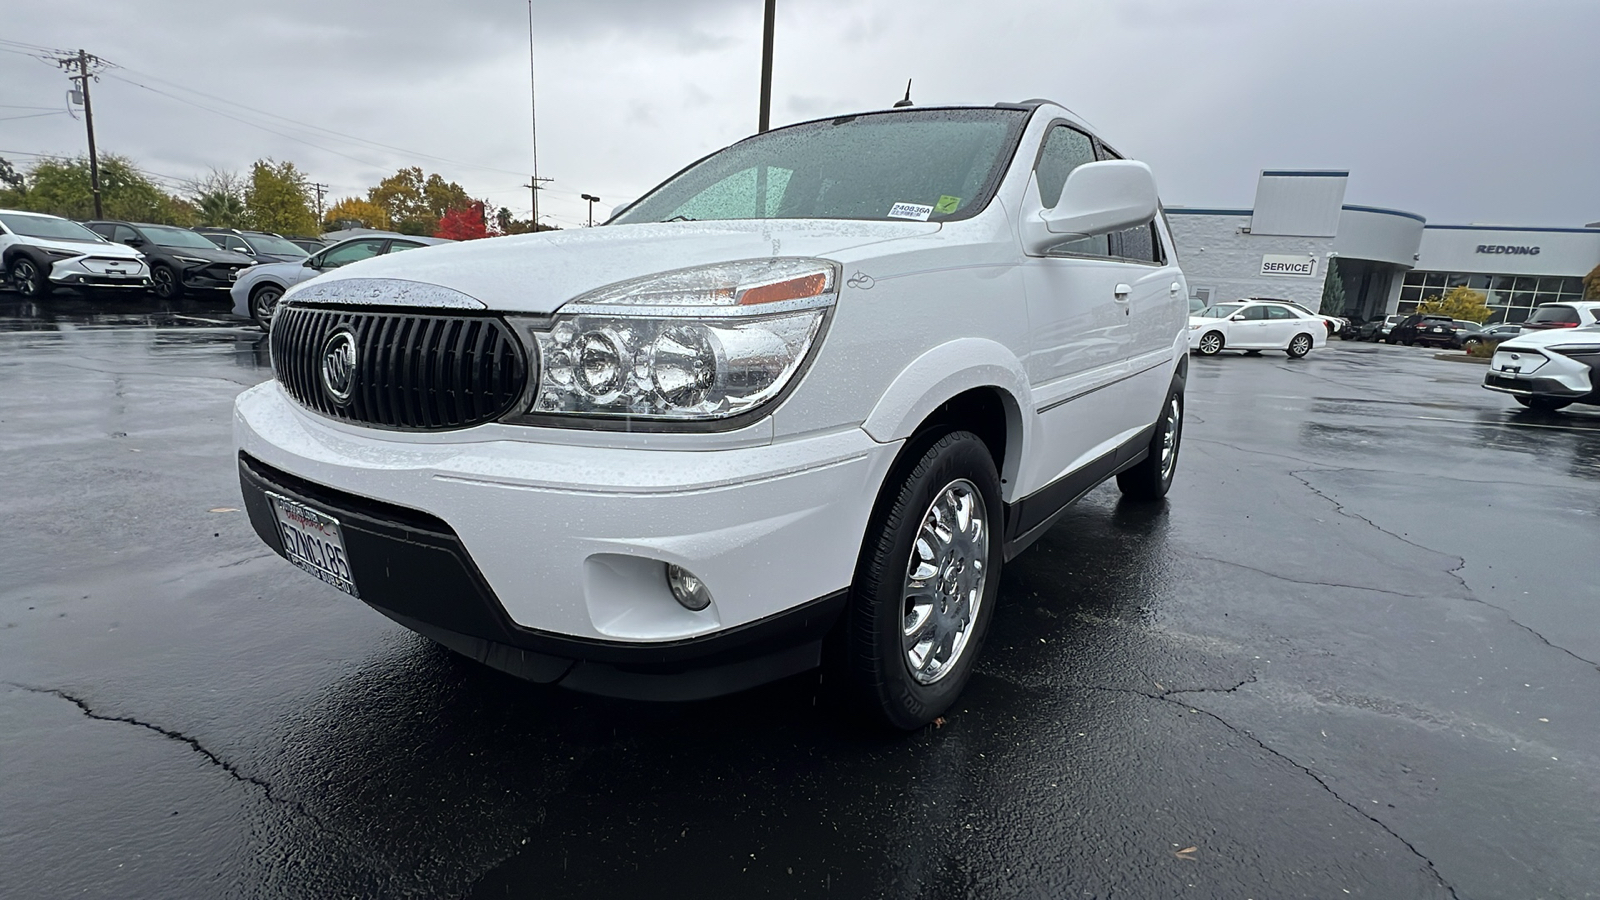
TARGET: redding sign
(1289,264)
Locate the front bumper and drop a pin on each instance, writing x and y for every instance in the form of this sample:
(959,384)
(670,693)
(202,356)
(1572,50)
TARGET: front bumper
(548,560)
(1548,374)
(97,272)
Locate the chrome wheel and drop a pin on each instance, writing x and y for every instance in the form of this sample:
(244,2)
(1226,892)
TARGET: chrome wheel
(1300,346)
(1210,344)
(1169,437)
(944,581)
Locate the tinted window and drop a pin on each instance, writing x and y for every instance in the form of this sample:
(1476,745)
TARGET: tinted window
(1256,313)
(122,234)
(347,253)
(397,246)
(1278,312)
(918,164)
(1137,243)
(1064,149)
(1558,314)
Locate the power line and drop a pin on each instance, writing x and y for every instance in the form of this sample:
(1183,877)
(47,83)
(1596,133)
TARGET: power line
(59,112)
(307,125)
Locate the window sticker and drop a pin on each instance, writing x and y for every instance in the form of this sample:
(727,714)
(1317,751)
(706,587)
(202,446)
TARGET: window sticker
(946,205)
(910,211)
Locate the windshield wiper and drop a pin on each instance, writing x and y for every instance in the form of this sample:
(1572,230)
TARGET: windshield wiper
(681,219)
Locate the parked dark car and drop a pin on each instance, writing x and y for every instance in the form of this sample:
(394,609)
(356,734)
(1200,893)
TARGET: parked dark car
(308,244)
(1424,329)
(180,260)
(1492,334)
(262,246)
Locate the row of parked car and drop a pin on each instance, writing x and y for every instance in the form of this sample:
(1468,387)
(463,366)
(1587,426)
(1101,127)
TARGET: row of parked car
(41,252)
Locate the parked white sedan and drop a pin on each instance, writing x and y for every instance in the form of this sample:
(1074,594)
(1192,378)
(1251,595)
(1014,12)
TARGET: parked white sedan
(1254,326)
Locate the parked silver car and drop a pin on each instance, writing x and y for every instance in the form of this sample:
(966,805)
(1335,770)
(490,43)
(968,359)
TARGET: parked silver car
(259,288)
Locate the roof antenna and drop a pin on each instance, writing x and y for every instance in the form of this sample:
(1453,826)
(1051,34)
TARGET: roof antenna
(907,101)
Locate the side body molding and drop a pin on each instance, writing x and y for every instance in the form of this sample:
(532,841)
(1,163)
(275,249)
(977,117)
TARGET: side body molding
(950,369)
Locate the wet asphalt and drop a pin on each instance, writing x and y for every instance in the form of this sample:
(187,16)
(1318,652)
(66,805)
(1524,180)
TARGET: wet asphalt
(1352,655)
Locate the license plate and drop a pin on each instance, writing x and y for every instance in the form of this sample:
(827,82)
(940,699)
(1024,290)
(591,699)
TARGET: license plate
(313,541)
(118,274)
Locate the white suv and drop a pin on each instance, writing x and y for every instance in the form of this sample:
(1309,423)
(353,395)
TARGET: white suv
(39,252)
(807,395)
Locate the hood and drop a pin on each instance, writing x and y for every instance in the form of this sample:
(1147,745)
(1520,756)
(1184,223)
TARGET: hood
(1553,337)
(214,254)
(537,273)
(104,249)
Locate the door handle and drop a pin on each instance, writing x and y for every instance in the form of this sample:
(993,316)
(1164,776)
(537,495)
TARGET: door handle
(1176,287)
(1121,292)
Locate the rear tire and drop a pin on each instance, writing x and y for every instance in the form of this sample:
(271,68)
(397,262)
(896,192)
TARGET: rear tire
(1211,343)
(28,279)
(1543,404)
(910,643)
(1299,346)
(1152,478)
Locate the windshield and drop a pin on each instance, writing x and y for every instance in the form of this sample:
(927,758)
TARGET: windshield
(168,236)
(921,165)
(266,243)
(48,227)
(1223,311)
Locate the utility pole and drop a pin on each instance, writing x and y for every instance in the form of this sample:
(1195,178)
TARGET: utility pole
(592,201)
(322,191)
(536,185)
(81,61)
(766,68)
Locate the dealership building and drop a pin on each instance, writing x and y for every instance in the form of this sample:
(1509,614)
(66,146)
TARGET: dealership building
(1388,260)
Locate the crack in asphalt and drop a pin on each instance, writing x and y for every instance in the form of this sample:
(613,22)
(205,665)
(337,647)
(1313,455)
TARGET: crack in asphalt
(1332,584)
(1454,571)
(171,735)
(1167,696)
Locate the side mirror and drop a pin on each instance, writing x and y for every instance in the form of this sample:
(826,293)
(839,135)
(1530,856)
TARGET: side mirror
(1237,318)
(1099,198)
(134,242)
(310,263)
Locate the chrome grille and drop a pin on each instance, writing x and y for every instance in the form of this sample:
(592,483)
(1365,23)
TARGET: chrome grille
(411,371)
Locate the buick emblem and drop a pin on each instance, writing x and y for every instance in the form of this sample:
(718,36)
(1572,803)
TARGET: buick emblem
(339,366)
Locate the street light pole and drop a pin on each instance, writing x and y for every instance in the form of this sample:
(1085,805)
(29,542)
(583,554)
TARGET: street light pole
(766,68)
(592,201)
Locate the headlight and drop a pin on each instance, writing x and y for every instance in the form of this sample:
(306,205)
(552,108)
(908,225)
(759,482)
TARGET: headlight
(61,254)
(193,260)
(698,344)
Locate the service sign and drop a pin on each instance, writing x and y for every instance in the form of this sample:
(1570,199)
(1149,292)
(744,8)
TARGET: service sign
(1290,264)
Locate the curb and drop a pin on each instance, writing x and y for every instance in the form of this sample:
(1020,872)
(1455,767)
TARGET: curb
(1461,357)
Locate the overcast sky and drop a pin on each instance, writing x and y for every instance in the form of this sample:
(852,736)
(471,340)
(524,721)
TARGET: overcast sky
(1465,112)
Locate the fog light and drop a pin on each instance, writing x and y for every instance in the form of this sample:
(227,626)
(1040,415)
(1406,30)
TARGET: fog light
(690,591)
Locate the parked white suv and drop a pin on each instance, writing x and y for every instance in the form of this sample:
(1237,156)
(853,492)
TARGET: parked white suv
(809,393)
(1549,369)
(39,252)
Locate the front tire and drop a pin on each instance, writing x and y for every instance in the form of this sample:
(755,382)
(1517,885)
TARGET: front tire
(1299,346)
(1152,477)
(263,304)
(1543,404)
(28,279)
(164,282)
(925,584)
(1210,343)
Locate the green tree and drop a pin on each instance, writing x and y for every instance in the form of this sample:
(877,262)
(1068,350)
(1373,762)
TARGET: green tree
(276,199)
(354,212)
(12,184)
(61,187)
(1591,285)
(218,198)
(414,201)
(1461,302)
(1332,291)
